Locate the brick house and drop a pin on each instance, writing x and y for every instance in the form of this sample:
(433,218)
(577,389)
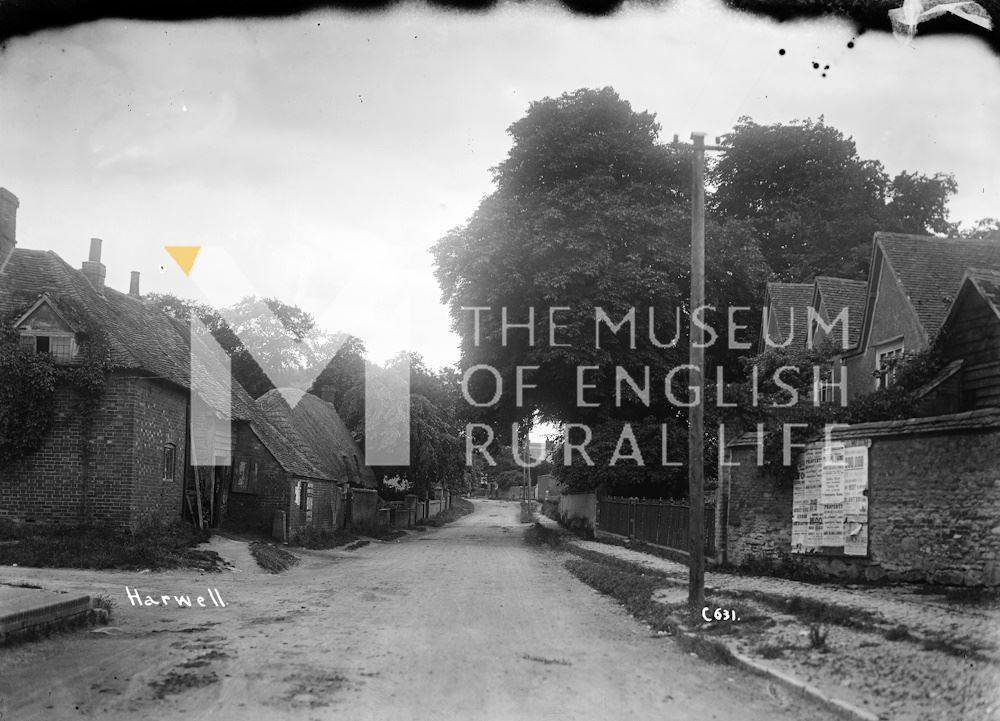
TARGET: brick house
(321,439)
(129,454)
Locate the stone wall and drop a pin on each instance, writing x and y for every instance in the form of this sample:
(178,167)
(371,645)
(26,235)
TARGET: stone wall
(934,505)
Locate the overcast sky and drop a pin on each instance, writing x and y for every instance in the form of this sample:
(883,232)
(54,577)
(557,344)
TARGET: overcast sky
(326,153)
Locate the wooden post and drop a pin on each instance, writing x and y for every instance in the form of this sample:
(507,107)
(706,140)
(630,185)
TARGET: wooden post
(197,495)
(696,412)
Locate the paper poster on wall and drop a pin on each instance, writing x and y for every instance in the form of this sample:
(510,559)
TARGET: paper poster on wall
(856,535)
(833,474)
(830,499)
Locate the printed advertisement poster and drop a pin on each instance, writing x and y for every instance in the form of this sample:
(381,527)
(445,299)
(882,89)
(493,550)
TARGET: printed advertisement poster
(829,499)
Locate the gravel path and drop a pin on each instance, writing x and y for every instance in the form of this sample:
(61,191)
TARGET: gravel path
(462,622)
(900,679)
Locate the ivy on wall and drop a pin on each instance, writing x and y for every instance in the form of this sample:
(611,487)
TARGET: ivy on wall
(29,381)
(901,400)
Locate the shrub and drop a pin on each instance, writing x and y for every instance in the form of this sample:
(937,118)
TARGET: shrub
(817,635)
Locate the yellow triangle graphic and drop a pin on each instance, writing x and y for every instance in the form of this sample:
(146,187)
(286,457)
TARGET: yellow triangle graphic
(183,255)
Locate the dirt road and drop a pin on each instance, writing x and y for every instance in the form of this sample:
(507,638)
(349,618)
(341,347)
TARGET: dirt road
(462,622)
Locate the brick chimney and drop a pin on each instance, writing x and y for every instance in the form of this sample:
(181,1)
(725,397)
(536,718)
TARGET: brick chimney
(8,222)
(133,288)
(93,268)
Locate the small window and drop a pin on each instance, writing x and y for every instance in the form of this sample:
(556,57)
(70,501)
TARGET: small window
(304,499)
(886,360)
(62,348)
(254,487)
(241,479)
(169,461)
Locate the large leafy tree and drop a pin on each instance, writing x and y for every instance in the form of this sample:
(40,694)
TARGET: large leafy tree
(245,369)
(435,422)
(814,203)
(590,211)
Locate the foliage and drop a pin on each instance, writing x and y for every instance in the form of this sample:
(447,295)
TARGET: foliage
(589,211)
(436,425)
(312,537)
(245,368)
(29,380)
(983,229)
(814,202)
(155,544)
(900,400)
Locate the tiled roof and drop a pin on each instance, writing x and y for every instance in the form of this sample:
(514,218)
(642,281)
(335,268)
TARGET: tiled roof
(139,337)
(979,419)
(321,433)
(275,431)
(785,297)
(987,282)
(838,293)
(931,269)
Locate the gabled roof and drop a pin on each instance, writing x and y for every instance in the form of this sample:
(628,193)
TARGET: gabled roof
(838,293)
(139,337)
(275,431)
(320,433)
(983,281)
(930,270)
(781,299)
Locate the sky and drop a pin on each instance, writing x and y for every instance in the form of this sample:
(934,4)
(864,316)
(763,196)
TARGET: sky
(318,158)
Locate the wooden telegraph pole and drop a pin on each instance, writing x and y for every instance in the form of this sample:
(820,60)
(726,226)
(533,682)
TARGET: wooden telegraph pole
(696,412)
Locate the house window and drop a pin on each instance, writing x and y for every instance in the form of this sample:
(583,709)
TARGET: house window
(169,461)
(304,497)
(241,478)
(62,347)
(886,360)
(828,385)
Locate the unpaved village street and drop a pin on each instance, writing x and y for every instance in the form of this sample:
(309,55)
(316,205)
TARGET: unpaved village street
(461,622)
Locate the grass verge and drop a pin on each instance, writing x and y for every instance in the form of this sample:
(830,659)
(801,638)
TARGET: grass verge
(634,588)
(459,507)
(154,544)
(314,538)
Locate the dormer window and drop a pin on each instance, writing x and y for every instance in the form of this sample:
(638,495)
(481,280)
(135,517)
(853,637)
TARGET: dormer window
(43,329)
(62,348)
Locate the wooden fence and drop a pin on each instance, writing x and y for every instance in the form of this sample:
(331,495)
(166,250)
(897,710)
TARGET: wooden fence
(653,521)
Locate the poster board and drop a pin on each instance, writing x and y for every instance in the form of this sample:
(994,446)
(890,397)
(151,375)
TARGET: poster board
(830,499)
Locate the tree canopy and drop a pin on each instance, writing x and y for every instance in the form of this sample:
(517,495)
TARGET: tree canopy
(814,203)
(590,216)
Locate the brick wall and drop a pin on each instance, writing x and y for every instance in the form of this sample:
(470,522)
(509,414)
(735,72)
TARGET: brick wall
(255,510)
(159,417)
(103,466)
(934,511)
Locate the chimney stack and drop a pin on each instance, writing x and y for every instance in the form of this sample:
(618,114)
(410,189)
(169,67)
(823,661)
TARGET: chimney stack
(133,289)
(93,268)
(8,222)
